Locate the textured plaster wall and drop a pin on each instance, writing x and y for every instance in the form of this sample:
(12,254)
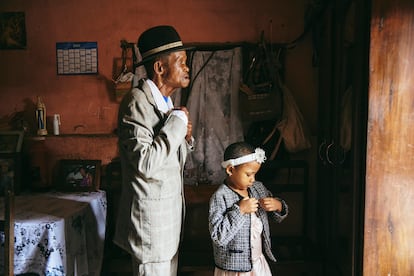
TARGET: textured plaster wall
(86,102)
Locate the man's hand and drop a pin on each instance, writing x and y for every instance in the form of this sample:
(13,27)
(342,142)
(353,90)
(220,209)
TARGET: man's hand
(189,124)
(189,131)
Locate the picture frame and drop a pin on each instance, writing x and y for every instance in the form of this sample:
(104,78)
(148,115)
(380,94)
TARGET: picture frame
(11,141)
(12,30)
(79,175)
(10,173)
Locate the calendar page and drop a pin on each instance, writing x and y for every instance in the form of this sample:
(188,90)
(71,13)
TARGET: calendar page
(77,58)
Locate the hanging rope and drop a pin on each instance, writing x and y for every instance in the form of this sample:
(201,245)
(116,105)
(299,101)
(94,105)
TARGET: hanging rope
(184,99)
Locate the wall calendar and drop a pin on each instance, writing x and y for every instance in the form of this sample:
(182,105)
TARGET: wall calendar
(77,58)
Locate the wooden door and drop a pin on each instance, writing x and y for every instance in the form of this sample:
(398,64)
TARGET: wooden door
(389,216)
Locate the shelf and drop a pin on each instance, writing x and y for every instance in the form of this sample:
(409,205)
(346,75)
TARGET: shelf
(73,135)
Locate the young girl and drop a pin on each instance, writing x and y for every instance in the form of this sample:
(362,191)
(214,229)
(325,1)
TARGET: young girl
(238,215)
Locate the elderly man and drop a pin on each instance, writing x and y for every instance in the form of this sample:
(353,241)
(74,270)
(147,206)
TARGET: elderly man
(154,140)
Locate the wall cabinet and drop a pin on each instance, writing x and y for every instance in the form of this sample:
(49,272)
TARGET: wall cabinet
(342,134)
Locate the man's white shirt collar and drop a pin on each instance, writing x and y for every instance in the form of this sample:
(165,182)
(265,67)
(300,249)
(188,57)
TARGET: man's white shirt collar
(162,105)
(165,106)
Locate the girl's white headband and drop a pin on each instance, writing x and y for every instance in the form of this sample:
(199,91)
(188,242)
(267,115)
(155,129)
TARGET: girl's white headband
(258,155)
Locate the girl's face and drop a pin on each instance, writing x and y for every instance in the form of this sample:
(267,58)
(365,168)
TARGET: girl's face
(242,176)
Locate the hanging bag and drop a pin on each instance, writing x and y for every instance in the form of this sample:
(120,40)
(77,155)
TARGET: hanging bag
(292,127)
(260,97)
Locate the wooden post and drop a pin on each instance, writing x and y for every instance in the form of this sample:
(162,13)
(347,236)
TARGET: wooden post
(389,216)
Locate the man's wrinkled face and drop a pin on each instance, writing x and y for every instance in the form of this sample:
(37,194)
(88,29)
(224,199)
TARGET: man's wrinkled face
(176,73)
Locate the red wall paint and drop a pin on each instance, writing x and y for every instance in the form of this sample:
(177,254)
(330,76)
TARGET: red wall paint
(86,102)
(45,153)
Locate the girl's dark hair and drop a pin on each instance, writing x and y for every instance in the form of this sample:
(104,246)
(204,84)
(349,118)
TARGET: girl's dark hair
(237,150)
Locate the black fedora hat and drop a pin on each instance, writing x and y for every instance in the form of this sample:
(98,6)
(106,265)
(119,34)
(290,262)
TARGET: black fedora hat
(159,40)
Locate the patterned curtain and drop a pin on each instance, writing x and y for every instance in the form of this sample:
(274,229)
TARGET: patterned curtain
(213,103)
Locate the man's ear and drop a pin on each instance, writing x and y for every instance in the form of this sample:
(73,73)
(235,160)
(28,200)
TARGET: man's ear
(158,67)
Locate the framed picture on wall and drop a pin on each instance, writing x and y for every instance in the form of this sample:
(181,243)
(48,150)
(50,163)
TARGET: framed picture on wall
(10,173)
(12,30)
(11,141)
(79,175)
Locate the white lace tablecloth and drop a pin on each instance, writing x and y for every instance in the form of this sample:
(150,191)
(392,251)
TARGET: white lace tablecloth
(58,233)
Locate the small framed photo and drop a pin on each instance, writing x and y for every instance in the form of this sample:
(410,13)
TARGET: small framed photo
(10,173)
(12,30)
(79,175)
(11,141)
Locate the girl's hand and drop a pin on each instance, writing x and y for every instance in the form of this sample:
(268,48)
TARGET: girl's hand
(270,204)
(248,205)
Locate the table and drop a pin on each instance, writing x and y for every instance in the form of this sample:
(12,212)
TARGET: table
(58,233)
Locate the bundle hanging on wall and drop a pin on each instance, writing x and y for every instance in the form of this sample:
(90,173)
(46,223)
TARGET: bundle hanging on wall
(123,80)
